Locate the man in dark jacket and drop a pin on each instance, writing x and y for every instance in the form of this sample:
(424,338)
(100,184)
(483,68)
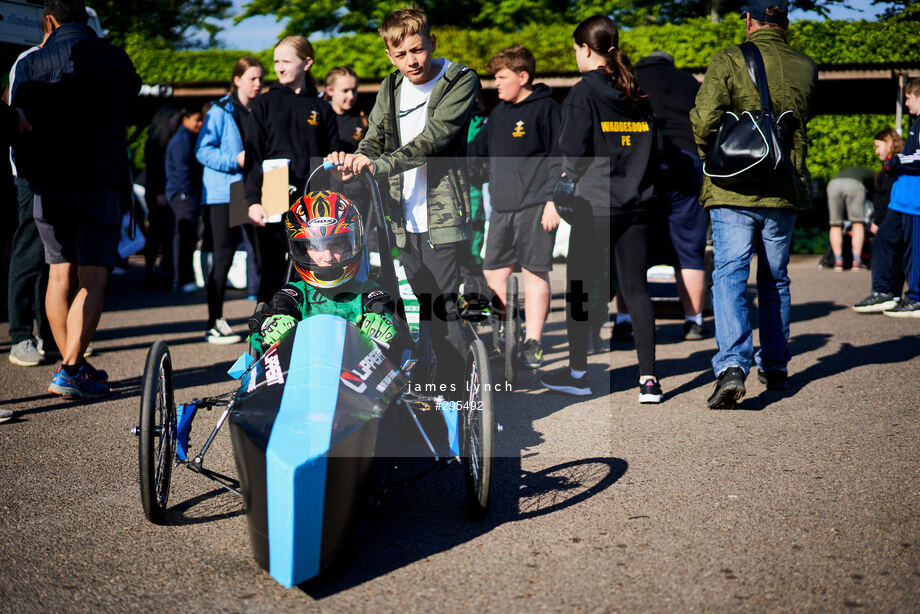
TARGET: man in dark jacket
(76,91)
(672,92)
(759,217)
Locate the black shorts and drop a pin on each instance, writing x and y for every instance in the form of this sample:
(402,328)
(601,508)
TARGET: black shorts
(79,226)
(518,236)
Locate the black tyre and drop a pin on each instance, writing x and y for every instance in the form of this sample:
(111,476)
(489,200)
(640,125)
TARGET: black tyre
(512,329)
(477,422)
(157,432)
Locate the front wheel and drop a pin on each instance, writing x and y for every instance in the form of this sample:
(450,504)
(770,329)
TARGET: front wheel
(478,424)
(157,431)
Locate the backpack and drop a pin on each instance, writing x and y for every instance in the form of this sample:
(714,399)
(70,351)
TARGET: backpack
(751,148)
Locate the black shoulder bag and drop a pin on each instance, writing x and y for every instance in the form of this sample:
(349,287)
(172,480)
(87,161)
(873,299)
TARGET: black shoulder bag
(749,149)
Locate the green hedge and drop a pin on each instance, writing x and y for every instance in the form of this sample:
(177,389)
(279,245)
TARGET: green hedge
(691,44)
(838,141)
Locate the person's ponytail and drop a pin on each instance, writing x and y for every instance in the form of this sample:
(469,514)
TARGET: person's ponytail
(600,34)
(624,76)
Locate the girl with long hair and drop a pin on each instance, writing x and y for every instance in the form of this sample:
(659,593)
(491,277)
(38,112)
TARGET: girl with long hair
(289,125)
(610,155)
(220,150)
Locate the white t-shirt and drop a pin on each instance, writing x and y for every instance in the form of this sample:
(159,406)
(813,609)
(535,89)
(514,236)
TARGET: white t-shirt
(413,115)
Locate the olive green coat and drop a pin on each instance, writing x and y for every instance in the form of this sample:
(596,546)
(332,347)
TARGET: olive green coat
(441,145)
(727,86)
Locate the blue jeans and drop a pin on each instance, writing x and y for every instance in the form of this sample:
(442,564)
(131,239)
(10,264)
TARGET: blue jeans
(736,234)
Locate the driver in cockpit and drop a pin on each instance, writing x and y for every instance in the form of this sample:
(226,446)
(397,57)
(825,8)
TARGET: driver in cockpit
(326,246)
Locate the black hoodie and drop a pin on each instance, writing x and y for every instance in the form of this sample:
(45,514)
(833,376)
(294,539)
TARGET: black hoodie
(512,136)
(672,93)
(282,124)
(609,145)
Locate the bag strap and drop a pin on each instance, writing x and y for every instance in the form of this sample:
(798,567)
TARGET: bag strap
(754,61)
(394,118)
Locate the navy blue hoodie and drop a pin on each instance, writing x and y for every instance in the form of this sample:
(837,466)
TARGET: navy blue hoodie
(609,145)
(512,137)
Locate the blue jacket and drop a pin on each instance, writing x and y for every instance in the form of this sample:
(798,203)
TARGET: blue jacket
(77,92)
(183,173)
(219,143)
(905,193)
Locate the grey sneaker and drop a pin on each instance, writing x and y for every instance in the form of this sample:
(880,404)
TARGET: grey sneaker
(5,414)
(876,302)
(905,309)
(221,333)
(693,331)
(26,354)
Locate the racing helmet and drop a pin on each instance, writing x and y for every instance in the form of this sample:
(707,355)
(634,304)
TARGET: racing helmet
(325,238)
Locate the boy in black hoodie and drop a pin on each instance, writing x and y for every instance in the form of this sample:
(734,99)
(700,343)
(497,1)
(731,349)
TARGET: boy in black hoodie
(521,140)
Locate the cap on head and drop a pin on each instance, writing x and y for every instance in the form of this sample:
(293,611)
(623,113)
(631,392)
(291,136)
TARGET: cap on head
(757,9)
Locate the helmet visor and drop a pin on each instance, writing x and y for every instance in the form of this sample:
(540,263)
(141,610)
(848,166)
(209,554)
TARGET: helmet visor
(325,252)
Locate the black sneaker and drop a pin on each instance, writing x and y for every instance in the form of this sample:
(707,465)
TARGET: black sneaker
(775,380)
(729,389)
(876,303)
(650,392)
(562,381)
(905,309)
(622,332)
(532,355)
(693,331)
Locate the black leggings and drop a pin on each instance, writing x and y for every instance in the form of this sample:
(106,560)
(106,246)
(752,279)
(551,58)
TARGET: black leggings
(590,243)
(270,245)
(224,240)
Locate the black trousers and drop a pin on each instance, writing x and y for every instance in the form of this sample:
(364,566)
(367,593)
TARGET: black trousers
(28,277)
(270,246)
(160,231)
(186,209)
(887,256)
(590,244)
(434,274)
(224,240)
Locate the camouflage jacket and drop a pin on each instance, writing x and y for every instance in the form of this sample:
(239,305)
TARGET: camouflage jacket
(791,78)
(442,145)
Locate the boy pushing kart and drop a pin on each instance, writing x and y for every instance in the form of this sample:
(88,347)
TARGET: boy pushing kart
(326,245)
(416,140)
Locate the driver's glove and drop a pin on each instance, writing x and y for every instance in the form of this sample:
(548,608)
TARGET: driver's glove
(377,326)
(275,327)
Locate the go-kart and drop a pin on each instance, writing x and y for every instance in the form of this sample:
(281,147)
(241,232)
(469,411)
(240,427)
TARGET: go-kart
(317,423)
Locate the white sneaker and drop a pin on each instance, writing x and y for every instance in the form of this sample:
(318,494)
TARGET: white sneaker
(222,334)
(26,353)
(5,414)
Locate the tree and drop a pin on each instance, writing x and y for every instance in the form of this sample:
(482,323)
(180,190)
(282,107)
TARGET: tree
(163,21)
(342,16)
(899,10)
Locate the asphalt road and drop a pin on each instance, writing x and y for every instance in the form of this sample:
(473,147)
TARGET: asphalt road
(804,501)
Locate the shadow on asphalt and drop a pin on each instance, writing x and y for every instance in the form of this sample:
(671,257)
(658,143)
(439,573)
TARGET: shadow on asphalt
(178,515)
(430,517)
(131,387)
(801,312)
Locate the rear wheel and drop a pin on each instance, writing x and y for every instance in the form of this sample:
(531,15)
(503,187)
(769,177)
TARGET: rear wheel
(157,431)
(478,423)
(512,329)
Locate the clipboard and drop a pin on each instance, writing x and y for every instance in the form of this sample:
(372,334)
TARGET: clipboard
(275,187)
(239,208)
